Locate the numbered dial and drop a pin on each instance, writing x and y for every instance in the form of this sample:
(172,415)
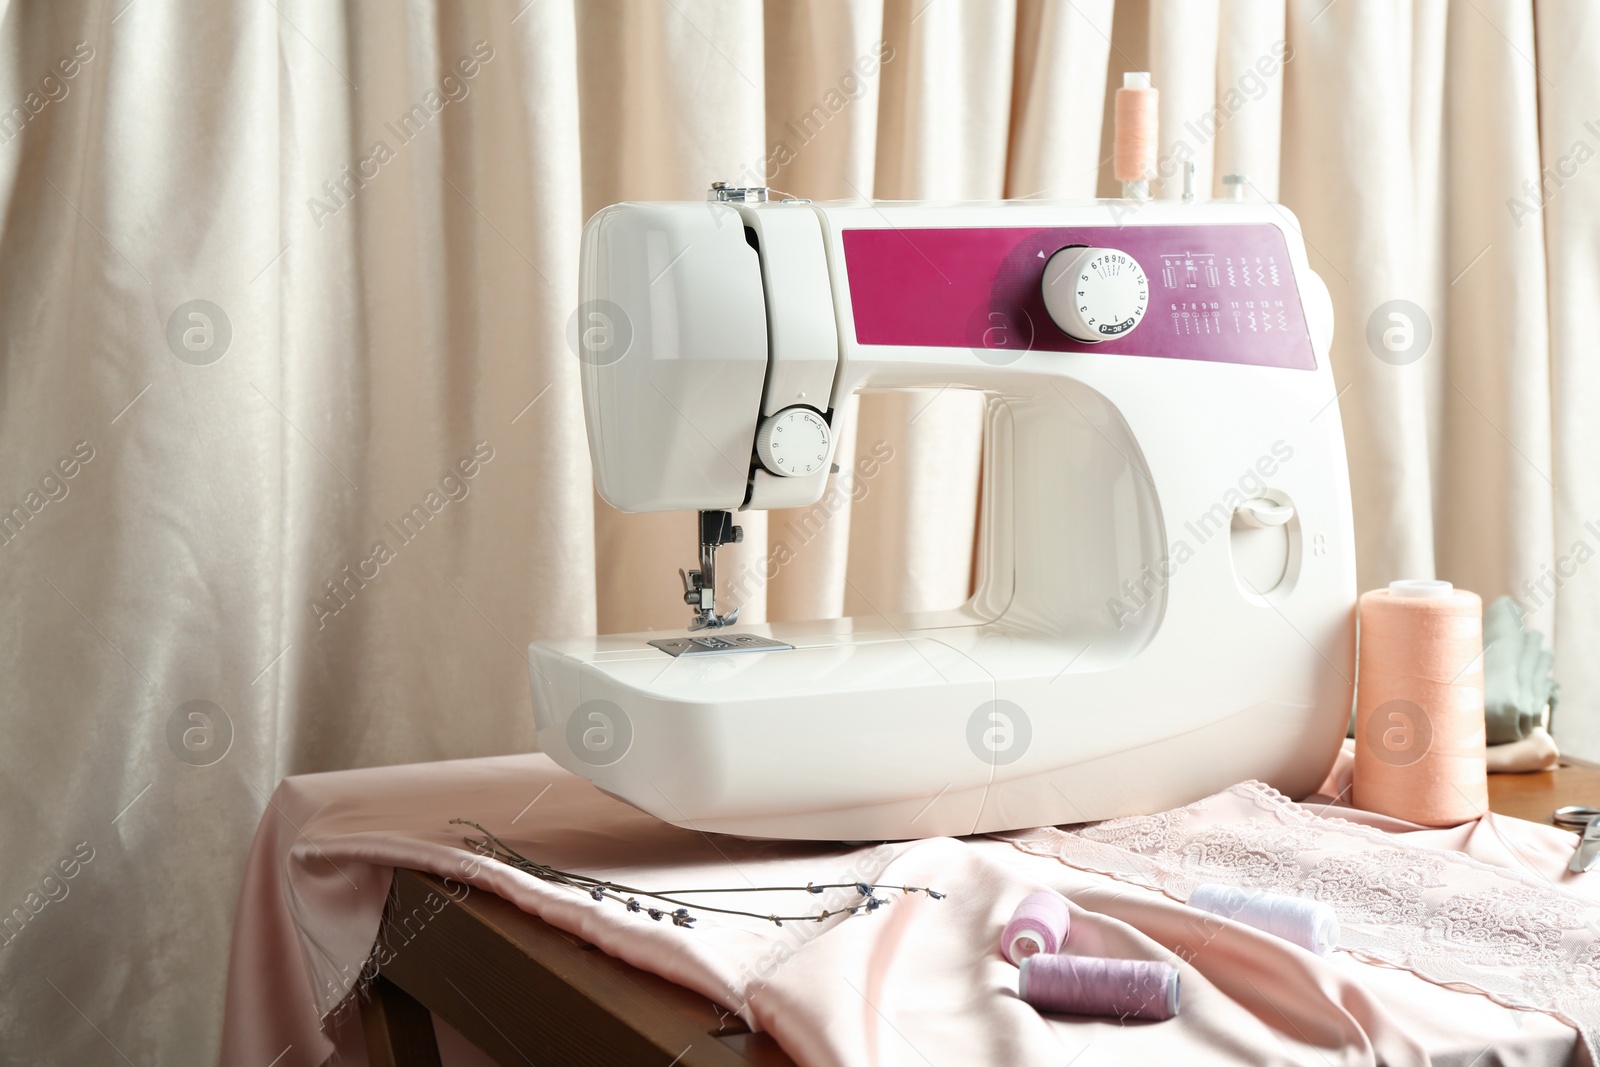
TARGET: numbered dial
(793,443)
(1095,294)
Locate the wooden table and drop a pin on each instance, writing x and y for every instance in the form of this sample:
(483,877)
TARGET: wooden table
(526,992)
(1536,795)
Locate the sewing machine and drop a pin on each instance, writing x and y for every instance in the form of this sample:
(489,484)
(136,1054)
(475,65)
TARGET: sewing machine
(1165,587)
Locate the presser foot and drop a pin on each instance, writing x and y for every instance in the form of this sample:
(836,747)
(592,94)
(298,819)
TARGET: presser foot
(699,596)
(714,621)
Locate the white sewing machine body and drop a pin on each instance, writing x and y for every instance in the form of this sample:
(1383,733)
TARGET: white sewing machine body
(1165,592)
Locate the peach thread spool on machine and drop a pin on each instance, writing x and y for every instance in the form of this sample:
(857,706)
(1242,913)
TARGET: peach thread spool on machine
(1134,157)
(1419,704)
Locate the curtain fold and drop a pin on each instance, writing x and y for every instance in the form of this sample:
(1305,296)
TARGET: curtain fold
(292,454)
(1496,396)
(1251,51)
(1183,67)
(1564,586)
(1346,173)
(1062,53)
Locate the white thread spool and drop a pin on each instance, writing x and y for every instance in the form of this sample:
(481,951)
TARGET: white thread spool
(1311,924)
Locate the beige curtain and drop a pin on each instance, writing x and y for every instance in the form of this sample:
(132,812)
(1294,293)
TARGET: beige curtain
(311,521)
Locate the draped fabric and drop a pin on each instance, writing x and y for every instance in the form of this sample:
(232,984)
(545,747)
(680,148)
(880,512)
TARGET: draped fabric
(292,459)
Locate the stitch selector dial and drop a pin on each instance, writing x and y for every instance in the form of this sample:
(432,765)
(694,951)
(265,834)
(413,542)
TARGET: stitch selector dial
(794,442)
(1095,294)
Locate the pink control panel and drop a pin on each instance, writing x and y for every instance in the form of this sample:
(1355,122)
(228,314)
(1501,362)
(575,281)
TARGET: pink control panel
(1224,294)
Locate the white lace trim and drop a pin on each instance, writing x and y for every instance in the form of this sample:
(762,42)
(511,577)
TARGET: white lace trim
(1442,915)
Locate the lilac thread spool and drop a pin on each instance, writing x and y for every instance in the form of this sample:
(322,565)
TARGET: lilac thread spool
(1311,924)
(1090,985)
(1040,924)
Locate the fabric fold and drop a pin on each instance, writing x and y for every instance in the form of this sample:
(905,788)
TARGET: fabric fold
(918,981)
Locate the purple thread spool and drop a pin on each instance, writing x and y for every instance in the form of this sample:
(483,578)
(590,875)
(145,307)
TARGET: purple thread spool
(1089,985)
(1039,924)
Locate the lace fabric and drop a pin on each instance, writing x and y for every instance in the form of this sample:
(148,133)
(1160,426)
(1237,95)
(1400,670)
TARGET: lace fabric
(1444,916)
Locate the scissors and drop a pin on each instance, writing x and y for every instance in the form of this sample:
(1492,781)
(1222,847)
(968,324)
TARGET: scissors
(1585,822)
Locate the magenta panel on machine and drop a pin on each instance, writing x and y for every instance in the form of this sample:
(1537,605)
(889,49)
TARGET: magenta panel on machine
(1224,294)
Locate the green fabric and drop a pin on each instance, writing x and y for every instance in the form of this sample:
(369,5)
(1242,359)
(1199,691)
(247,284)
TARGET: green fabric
(1517,679)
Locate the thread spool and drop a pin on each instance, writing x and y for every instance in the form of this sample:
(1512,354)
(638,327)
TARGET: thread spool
(1311,924)
(1420,753)
(1137,122)
(1090,985)
(1040,924)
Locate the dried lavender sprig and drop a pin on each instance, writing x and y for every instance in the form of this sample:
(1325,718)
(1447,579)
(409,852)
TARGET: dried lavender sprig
(610,890)
(864,888)
(601,890)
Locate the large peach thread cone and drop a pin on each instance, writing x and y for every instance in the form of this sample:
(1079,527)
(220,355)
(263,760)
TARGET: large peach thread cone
(1419,704)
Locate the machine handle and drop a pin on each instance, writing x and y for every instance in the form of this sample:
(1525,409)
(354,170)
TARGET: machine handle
(1263,513)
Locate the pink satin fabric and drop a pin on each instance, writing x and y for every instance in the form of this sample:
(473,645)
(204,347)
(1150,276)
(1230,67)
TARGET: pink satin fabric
(921,981)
